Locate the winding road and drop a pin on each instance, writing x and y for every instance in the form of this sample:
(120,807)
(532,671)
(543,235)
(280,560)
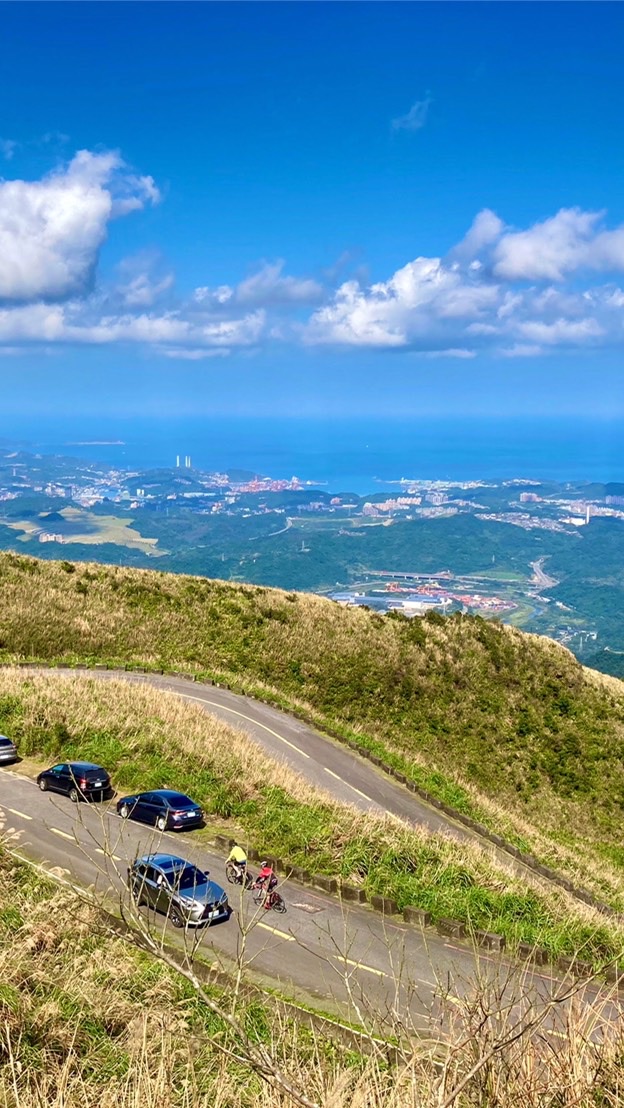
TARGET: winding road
(345,959)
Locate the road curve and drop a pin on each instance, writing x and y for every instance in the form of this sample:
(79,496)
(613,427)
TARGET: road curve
(325,954)
(322,761)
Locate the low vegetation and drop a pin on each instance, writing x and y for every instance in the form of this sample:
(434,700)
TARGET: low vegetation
(129,729)
(88,1019)
(506,727)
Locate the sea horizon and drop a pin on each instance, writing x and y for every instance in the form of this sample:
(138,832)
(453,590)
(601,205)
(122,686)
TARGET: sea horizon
(357,455)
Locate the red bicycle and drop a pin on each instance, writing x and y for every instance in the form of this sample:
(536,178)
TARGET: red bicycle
(268,898)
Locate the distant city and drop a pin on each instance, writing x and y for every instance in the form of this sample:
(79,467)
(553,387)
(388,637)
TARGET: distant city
(432,545)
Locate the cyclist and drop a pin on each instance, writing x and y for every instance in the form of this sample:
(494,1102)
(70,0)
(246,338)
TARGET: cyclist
(238,858)
(267,880)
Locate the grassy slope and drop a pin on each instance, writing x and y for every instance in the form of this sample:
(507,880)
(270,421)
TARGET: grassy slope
(89,1022)
(128,728)
(502,724)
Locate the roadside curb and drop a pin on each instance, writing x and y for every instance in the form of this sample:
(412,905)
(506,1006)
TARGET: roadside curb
(419,919)
(410,914)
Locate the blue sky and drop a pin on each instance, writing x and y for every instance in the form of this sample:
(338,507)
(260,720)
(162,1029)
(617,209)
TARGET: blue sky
(301,208)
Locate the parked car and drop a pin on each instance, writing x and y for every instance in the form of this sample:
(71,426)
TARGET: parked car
(78,780)
(184,893)
(163,808)
(8,750)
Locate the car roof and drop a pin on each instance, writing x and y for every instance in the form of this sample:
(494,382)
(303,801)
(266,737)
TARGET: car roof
(84,765)
(169,794)
(166,861)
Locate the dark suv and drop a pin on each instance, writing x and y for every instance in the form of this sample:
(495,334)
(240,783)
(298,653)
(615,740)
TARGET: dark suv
(184,893)
(78,780)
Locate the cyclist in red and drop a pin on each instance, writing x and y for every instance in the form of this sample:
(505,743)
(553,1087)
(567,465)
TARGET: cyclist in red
(266,880)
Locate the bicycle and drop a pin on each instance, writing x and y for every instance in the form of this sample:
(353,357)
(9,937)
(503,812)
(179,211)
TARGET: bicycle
(268,900)
(237,875)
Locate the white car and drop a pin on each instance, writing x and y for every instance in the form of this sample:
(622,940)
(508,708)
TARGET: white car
(8,750)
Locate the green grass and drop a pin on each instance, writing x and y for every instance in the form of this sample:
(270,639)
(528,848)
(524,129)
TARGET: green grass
(129,728)
(505,727)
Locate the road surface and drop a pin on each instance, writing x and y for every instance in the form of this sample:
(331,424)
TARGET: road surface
(349,960)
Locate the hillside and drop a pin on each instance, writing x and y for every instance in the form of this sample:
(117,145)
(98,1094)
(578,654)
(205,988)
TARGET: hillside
(504,725)
(88,1020)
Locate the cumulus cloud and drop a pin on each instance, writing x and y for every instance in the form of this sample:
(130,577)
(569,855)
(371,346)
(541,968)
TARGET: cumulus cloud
(569,241)
(415,118)
(51,230)
(516,292)
(424,301)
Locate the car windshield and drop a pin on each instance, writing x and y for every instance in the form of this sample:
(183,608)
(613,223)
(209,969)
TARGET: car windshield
(187,878)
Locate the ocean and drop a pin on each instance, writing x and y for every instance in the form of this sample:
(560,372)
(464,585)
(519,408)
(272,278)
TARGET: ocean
(343,455)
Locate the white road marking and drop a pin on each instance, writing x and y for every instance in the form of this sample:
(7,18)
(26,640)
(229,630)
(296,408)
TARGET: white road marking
(57,831)
(276,931)
(241,715)
(115,857)
(347,783)
(369,798)
(15,812)
(360,965)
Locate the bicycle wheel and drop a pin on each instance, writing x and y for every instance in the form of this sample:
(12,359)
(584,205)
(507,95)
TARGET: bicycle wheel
(231,872)
(278,904)
(259,895)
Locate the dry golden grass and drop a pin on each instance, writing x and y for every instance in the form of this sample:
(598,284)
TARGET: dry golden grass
(152,738)
(87,1020)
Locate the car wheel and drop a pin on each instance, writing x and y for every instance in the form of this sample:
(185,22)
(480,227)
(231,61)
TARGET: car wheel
(124,811)
(161,823)
(74,795)
(176,919)
(43,785)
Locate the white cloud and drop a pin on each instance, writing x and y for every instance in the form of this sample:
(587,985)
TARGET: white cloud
(268,286)
(562,331)
(517,293)
(425,301)
(8,148)
(521,350)
(51,230)
(193,355)
(142,281)
(569,241)
(416,117)
(486,229)
(70,323)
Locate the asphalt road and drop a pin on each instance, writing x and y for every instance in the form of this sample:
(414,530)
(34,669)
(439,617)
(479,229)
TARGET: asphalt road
(322,761)
(347,960)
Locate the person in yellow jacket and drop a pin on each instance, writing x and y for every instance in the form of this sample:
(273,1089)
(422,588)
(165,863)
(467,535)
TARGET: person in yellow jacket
(237,857)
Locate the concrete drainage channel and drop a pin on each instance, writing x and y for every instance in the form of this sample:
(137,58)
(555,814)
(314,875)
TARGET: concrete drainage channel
(449,928)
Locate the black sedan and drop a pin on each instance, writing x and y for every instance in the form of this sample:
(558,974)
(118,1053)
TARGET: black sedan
(163,808)
(78,780)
